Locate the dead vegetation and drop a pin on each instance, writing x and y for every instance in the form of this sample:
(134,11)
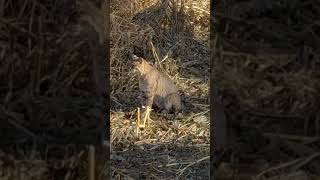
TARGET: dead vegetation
(174,36)
(49,86)
(74,165)
(266,67)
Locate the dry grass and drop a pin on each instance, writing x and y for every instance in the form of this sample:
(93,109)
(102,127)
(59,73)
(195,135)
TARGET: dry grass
(47,92)
(34,167)
(266,83)
(179,47)
(266,65)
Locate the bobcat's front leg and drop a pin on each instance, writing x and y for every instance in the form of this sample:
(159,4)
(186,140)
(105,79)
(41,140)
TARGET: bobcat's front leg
(142,99)
(150,97)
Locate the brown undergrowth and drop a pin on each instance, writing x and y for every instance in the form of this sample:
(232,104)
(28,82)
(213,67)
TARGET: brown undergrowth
(175,38)
(266,65)
(50,67)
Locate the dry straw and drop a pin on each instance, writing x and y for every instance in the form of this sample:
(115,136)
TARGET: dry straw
(48,88)
(265,65)
(173,36)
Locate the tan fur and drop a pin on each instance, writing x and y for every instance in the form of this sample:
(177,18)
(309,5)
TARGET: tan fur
(157,87)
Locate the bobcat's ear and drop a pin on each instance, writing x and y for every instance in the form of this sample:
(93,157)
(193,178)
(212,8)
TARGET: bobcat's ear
(143,61)
(134,57)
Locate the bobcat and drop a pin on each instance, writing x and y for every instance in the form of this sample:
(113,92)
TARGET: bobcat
(158,88)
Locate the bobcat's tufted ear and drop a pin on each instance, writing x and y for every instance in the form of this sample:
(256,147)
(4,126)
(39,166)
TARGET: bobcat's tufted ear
(143,61)
(134,57)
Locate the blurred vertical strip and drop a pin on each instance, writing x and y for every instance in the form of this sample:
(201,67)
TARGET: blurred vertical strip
(218,122)
(108,85)
(97,14)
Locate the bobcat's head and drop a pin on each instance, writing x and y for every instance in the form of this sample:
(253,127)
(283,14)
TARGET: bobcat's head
(141,65)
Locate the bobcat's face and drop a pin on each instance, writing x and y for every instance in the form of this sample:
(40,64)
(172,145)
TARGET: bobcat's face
(141,65)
